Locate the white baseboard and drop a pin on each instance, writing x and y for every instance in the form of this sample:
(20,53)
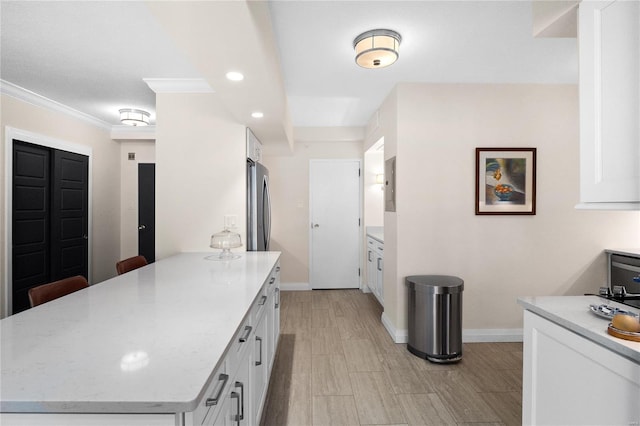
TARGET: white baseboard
(492,335)
(398,336)
(294,286)
(468,335)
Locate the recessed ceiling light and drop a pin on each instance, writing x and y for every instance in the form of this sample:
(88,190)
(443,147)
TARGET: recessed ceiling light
(235,76)
(257,114)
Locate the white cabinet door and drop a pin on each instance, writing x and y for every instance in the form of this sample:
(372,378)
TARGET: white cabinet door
(236,409)
(259,369)
(609,48)
(371,265)
(570,380)
(380,277)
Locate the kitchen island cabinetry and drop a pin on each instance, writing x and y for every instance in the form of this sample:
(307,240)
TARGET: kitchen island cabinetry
(574,373)
(609,49)
(375,265)
(187,340)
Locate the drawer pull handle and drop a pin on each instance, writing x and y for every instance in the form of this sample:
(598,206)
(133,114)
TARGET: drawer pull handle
(277,269)
(236,396)
(214,401)
(272,280)
(369,255)
(240,415)
(263,300)
(259,339)
(379,268)
(277,298)
(247,332)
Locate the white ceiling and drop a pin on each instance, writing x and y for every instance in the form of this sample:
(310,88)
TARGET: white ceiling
(92,56)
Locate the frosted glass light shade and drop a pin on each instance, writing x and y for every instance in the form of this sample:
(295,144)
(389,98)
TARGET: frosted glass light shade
(134,117)
(377,48)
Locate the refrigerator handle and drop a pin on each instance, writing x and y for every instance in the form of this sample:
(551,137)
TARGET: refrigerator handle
(266,212)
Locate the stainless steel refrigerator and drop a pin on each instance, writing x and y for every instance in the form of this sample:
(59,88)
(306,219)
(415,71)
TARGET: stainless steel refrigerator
(258,207)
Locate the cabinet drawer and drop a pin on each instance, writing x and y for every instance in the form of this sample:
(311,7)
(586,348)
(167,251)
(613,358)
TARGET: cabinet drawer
(260,304)
(213,398)
(242,342)
(274,279)
(371,243)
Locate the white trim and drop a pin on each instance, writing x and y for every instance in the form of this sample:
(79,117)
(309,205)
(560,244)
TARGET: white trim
(124,132)
(492,335)
(608,206)
(398,336)
(468,335)
(32,98)
(178,85)
(295,286)
(10,134)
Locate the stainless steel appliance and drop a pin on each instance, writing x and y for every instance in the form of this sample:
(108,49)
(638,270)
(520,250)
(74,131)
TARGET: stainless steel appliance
(258,207)
(623,279)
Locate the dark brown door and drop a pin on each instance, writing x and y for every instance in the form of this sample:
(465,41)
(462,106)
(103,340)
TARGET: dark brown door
(30,221)
(49,218)
(147,211)
(69,215)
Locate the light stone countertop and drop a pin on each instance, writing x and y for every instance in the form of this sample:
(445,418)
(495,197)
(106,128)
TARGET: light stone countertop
(572,313)
(376,232)
(143,342)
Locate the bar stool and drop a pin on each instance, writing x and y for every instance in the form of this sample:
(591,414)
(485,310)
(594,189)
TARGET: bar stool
(47,292)
(130,264)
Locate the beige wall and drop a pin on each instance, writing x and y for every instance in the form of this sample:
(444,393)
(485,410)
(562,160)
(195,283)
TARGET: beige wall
(105,244)
(558,251)
(200,172)
(145,152)
(289,179)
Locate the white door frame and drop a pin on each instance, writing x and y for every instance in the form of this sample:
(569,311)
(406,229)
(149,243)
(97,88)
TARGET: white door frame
(360,212)
(10,134)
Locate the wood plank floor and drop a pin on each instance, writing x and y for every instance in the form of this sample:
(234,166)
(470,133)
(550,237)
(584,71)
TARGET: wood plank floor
(337,365)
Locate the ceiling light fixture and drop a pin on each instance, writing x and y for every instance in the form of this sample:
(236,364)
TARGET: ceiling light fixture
(234,76)
(134,117)
(257,114)
(377,48)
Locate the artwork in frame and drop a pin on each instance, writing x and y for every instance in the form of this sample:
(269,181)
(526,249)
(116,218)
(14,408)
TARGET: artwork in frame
(505,181)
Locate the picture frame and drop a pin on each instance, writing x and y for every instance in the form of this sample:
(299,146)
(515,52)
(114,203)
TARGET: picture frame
(505,181)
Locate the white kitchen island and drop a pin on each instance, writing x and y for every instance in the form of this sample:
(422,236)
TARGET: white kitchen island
(177,342)
(574,372)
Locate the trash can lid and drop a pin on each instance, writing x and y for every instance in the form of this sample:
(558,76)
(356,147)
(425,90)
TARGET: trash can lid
(437,284)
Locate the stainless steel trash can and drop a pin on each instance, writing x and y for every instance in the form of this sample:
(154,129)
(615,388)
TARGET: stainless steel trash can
(435,317)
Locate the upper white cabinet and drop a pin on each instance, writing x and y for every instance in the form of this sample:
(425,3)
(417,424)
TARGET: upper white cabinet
(609,48)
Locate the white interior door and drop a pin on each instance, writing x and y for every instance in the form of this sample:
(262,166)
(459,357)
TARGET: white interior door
(334,211)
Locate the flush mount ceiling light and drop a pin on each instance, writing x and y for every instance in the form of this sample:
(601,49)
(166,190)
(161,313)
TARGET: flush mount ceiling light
(134,117)
(257,114)
(234,76)
(377,48)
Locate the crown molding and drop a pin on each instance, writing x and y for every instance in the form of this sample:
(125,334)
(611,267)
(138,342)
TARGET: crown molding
(178,85)
(10,89)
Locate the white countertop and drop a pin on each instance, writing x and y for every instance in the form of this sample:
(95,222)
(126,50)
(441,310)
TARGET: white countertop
(572,313)
(86,352)
(376,232)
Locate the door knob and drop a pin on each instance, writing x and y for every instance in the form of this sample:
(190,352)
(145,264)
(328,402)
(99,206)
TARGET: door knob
(142,227)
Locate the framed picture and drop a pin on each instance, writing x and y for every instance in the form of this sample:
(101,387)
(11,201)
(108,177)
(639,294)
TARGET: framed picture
(505,181)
